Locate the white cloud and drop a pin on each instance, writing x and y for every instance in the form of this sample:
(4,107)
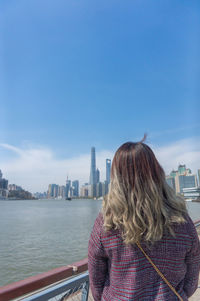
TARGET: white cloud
(35,168)
(186,151)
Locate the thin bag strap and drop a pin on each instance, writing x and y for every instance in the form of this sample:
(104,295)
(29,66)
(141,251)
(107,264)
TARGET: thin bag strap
(158,271)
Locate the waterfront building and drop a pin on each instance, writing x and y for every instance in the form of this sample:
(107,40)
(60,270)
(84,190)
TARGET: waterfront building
(183,178)
(93,167)
(187,181)
(62,191)
(192,193)
(93,173)
(55,191)
(97,175)
(68,185)
(198,176)
(85,190)
(52,190)
(108,168)
(171,182)
(13,187)
(173,173)
(40,195)
(99,189)
(182,170)
(75,188)
(3,186)
(104,188)
(92,190)
(49,191)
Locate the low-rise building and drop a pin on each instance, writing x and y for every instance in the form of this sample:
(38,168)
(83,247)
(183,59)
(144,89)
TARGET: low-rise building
(192,193)
(3,187)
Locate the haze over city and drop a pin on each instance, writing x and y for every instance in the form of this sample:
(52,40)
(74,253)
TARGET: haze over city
(75,75)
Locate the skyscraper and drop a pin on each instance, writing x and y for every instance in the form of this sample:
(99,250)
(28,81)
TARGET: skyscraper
(98,189)
(108,167)
(52,190)
(93,179)
(93,167)
(75,188)
(68,185)
(97,176)
(199,175)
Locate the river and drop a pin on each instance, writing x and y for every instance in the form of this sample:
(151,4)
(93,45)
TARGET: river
(39,235)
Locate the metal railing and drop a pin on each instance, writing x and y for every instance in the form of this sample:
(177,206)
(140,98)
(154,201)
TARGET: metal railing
(63,280)
(76,288)
(69,283)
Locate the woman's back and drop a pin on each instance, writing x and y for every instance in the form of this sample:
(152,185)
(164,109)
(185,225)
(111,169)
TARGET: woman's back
(141,208)
(131,277)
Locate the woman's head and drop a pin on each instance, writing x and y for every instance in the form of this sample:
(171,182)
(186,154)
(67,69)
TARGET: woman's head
(140,202)
(135,166)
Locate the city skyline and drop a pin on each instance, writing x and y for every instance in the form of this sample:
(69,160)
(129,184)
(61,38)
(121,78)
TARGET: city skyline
(171,177)
(182,180)
(45,168)
(76,74)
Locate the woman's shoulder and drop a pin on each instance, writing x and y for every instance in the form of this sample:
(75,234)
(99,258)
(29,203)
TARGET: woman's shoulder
(99,226)
(99,219)
(187,226)
(98,223)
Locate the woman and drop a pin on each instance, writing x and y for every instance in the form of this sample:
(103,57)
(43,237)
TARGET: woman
(142,208)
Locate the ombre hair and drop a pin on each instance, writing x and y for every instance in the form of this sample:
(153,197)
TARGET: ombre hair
(140,203)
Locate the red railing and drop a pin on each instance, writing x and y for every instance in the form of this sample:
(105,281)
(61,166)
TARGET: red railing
(31,284)
(34,283)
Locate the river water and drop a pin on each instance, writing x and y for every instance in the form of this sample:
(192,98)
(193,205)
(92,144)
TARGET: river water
(39,235)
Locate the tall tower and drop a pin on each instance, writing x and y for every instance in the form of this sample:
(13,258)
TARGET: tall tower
(1,175)
(93,167)
(108,168)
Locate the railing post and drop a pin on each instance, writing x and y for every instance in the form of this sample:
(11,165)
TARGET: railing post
(85,291)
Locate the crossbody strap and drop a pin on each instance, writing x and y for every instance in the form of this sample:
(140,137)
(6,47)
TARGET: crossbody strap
(158,271)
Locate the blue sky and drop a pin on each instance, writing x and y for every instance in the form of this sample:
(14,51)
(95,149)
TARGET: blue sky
(79,73)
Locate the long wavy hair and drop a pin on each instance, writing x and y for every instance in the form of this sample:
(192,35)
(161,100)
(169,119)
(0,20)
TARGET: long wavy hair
(140,203)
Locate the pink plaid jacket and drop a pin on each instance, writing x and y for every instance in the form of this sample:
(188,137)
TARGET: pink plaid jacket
(119,272)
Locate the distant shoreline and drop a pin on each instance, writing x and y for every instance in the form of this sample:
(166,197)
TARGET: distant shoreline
(55,199)
(75,198)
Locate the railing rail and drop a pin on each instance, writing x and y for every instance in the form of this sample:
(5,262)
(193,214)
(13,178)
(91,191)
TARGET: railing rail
(35,283)
(68,287)
(52,283)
